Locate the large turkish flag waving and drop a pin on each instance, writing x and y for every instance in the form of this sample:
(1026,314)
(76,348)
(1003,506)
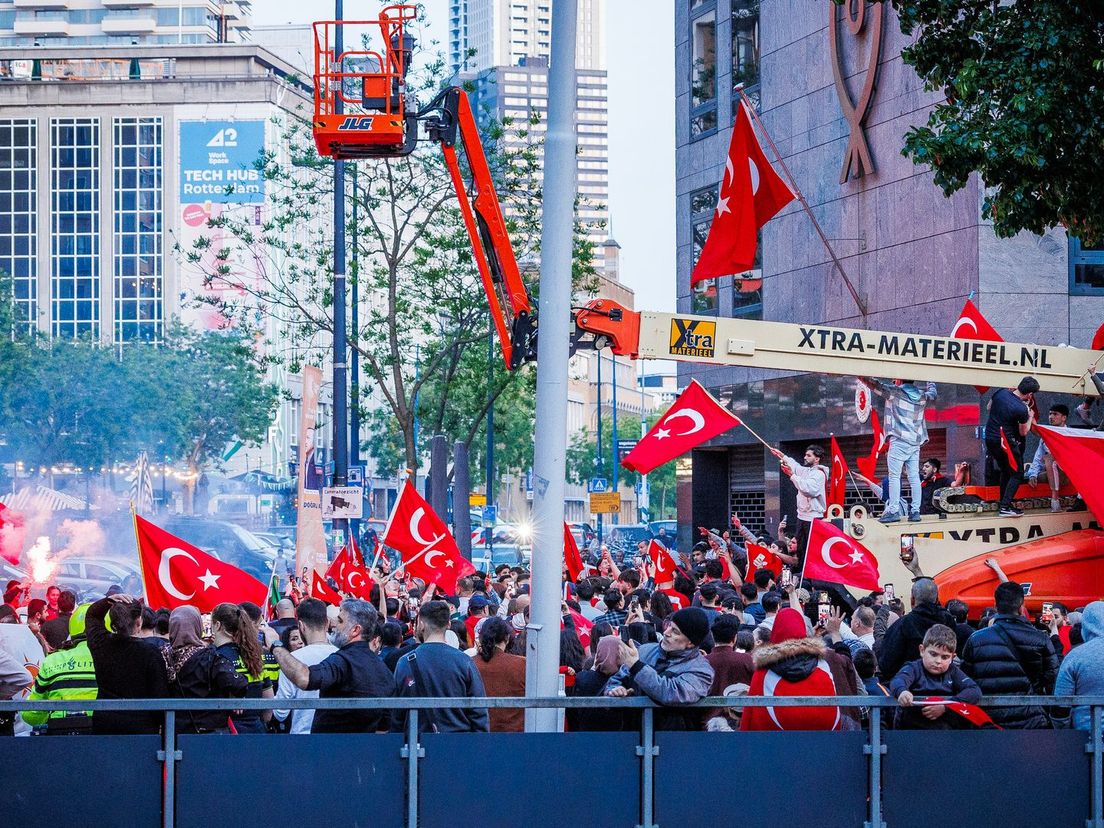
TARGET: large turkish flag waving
(751,194)
(693,418)
(428,550)
(1080,454)
(834,557)
(351,576)
(177,574)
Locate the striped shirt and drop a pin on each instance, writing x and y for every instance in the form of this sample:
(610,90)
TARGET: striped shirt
(904,410)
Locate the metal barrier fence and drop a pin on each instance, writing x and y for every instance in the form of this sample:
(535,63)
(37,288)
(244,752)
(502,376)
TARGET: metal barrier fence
(645,778)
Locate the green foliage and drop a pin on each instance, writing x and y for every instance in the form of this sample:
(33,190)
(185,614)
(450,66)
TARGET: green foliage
(1024,107)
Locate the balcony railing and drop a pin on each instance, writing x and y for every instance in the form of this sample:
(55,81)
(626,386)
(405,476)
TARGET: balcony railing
(870,777)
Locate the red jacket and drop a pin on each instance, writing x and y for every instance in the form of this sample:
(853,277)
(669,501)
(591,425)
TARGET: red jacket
(796,667)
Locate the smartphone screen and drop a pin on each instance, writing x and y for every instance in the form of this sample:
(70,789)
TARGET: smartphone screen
(889,593)
(787,576)
(1048,612)
(822,614)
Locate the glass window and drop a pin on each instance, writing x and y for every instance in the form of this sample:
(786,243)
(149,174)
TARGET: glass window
(703,71)
(703,295)
(138,240)
(745,43)
(1086,268)
(19,213)
(75,226)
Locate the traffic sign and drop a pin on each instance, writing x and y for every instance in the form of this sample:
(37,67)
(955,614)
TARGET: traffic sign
(477,500)
(625,446)
(490,515)
(605,503)
(598,484)
(355,475)
(343,502)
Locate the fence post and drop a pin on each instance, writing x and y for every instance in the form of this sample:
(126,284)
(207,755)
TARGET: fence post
(1096,779)
(647,751)
(412,751)
(875,750)
(169,755)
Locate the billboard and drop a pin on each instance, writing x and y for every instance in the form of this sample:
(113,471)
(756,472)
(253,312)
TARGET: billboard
(217,162)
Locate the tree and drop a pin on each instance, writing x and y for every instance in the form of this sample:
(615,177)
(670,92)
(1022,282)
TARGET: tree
(423,322)
(1024,107)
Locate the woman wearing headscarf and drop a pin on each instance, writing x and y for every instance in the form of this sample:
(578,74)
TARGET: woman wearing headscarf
(196,670)
(591,683)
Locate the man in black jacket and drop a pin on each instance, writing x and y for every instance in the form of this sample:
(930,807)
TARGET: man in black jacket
(902,640)
(1012,658)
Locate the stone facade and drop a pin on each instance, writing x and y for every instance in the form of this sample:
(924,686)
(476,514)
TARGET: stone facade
(913,254)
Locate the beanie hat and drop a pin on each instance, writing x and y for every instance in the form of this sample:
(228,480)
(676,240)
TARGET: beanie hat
(789,623)
(693,623)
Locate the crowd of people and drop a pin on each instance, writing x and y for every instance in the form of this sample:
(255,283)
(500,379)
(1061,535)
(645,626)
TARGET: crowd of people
(705,631)
(710,622)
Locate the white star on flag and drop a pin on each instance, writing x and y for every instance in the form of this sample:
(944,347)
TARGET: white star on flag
(663,432)
(722,206)
(856,556)
(209,581)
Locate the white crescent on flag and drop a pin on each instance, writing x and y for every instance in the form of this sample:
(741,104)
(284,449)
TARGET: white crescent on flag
(826,552)
(165,577)
(415,523)
(694,415)
(963,321)
(754,176)
(356,573)
(431,555)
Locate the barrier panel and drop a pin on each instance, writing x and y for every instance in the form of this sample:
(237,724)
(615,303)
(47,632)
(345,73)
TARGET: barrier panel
(92,781)
(874,779)
(1011,778)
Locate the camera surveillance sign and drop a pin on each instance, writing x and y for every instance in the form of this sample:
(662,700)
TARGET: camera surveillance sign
(218,162)
(343,502)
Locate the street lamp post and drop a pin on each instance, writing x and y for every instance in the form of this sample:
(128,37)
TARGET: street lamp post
(354,367)
(340,346)
(599,466)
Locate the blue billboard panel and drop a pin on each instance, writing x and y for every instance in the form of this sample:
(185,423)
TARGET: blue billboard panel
(218,162)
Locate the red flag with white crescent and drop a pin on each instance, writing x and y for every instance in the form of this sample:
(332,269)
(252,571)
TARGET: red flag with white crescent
(839,559)
(972,324)
(751,194)
(1008,452)
(422,539)
(665,568)
(693,418)
(350,577)
(837,482)
(868,465)
(759,557)
(322,591)
(970,712)
(177,574)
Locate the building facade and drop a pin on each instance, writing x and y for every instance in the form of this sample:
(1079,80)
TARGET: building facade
(913,255)
(106,185)
(122,22)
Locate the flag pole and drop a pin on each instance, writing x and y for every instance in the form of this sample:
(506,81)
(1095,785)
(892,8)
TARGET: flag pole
(403,564)
(138,544)
(805,204)
(271,575)
(756,436)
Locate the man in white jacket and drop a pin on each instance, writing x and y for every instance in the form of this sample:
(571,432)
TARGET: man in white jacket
(811,481)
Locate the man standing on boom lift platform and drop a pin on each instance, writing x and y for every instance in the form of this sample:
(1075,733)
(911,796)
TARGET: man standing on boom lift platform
(1010,418)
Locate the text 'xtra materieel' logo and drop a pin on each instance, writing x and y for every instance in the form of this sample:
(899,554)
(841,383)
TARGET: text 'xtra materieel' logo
(693,338)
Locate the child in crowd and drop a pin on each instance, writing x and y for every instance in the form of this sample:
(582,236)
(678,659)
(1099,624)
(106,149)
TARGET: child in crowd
(933,674)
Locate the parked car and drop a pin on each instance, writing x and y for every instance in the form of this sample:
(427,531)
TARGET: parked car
(502,553)
(671,526)
(231,543)
(90,578)
(627,535)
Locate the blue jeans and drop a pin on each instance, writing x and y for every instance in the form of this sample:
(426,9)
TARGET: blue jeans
(900,456)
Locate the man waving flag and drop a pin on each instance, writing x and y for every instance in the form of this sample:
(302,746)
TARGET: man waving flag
(428,550)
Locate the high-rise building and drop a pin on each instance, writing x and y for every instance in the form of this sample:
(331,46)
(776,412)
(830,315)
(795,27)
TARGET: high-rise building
(503,32)
(121,22)
(510,44)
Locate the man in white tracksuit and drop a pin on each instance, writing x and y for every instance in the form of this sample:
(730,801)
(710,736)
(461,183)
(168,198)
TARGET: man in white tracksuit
(811,481)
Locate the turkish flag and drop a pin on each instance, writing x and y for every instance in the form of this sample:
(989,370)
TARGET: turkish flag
(422,539)
(678,600)
(177,574)
(665,568)
(837,482)
(868,465)
(12,534)
(759,557)
(693,418)
(834,557)
(350,576)
(1008,452)
(321,590)
(972,325)
(1080,454)
(970,712)
(572,558)
(751,194)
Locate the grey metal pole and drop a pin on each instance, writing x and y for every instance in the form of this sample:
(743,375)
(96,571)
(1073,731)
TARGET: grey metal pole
(354,365)
(461,498)
(438,472)
(412,751)
(875,750)
(169,755)
(340,343)
(644,506)
(647,751)
(613,433)
(488,534)
(599,463)
(550,437)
